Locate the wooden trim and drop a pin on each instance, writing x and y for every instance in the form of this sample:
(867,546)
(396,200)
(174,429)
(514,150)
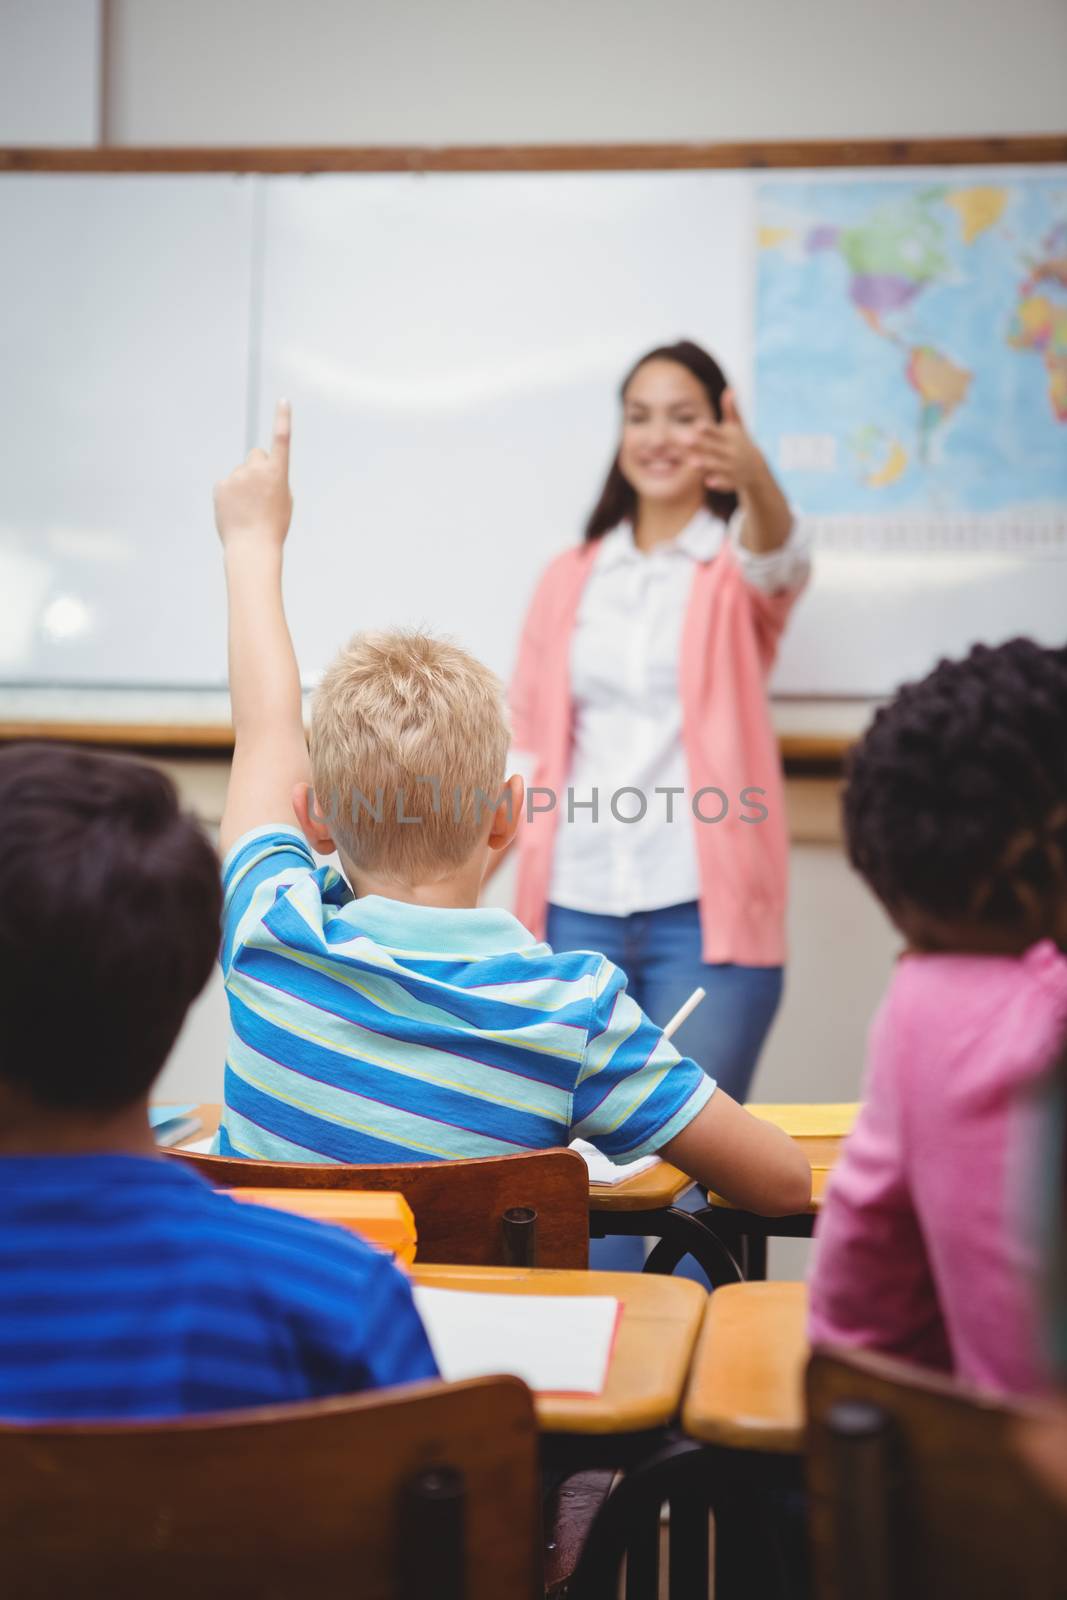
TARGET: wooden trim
(125,735)
(814,750)
(1024,149)
(800,751)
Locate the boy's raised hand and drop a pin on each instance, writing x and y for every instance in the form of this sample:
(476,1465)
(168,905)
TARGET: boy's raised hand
(253,508)
(254,502)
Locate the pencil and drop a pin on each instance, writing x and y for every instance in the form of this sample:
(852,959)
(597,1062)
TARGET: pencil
(683,1011)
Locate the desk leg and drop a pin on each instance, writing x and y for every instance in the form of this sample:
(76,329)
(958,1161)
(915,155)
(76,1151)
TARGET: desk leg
(745,1234)
(754,1256)
(629,1521)
(642,1555)
(689,1567)
(680,1233)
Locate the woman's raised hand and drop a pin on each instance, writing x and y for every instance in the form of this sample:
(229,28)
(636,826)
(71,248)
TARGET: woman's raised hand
(728,456)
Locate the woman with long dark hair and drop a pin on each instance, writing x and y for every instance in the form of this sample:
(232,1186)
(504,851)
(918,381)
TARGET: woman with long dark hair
(639,697)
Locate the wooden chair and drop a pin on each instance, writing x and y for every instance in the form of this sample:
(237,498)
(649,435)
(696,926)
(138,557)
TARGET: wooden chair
(427,1491)
(467,1213)
(917,1490)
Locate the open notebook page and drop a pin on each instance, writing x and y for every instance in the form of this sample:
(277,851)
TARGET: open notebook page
(603,1170)
(558,1344)
(171,1124)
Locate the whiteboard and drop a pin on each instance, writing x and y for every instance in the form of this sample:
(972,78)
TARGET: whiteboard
(124,343)
(452,345)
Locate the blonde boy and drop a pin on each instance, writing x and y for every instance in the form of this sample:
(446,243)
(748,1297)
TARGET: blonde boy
(382,1015)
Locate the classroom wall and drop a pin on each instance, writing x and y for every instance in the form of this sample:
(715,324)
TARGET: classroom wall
(500,71)
(51,55)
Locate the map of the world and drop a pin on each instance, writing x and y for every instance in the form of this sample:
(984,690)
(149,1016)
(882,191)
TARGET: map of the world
(911,356)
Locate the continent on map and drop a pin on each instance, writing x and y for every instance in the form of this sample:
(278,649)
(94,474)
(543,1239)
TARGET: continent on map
(1041,325)
(977,209)
(892,257)
(941,386)
(1052,268)
(882,460)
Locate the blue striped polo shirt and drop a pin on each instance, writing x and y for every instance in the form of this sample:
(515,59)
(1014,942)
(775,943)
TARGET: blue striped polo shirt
(372,1030)
(128,1289)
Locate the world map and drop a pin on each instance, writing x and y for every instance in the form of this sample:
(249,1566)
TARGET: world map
(911,354)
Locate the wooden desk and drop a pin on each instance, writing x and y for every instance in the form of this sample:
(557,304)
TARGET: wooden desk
(658,1329)
(727,1243)
(820,1131)
(646,1205)
(746,1385)
(648,1191)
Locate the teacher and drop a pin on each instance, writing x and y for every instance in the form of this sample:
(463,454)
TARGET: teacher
(656,829)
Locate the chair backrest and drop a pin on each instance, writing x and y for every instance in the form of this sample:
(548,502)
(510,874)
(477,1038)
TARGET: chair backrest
(916,1490)
(426,1491)
(459,1206)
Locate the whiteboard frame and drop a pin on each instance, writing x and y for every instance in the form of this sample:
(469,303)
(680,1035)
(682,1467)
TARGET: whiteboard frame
(992,150)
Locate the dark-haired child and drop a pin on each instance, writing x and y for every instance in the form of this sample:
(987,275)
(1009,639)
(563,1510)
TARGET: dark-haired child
(128,1288)
(955,813)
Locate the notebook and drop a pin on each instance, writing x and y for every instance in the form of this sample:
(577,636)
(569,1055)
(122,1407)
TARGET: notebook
(603,1170)
(557,1344)
(172,1124)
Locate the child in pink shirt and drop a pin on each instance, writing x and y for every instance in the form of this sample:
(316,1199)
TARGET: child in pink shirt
(955,813)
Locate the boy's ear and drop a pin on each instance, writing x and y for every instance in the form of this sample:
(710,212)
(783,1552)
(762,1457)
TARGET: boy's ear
(508,814)
(314,826)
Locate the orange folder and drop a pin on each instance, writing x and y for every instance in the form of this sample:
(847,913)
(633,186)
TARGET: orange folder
(384,1218)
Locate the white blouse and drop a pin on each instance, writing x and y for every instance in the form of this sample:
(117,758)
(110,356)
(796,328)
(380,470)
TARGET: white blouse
(628,719)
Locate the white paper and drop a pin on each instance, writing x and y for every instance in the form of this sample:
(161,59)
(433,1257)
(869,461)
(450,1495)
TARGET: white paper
(604,1170)
(171,1133)
(201,1147)
(558,1344)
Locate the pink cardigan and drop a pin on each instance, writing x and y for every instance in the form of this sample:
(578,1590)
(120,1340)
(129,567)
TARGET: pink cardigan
(729,641)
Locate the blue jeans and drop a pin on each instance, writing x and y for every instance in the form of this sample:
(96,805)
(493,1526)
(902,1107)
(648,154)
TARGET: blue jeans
(659,951)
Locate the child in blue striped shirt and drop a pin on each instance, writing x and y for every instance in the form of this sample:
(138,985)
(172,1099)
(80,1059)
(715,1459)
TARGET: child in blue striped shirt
(128,1288)
(382,1015)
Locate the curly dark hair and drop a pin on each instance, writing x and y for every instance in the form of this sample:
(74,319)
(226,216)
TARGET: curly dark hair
(955,801)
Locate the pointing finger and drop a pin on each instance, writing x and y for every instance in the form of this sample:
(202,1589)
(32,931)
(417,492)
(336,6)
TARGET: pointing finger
(283,427)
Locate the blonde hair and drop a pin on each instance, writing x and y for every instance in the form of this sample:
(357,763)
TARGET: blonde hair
(405,726)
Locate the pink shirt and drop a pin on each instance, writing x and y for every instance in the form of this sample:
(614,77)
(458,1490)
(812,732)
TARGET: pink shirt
(922,1249)
(729,642)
